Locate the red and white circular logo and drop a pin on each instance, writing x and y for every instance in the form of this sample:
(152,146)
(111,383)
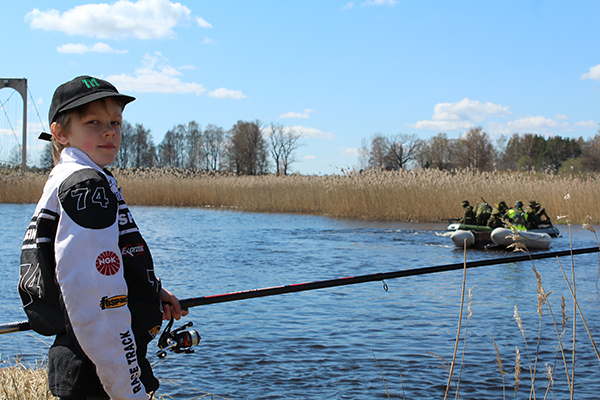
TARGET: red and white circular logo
(107,263)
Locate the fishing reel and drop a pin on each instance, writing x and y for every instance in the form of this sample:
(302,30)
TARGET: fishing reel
(179,340)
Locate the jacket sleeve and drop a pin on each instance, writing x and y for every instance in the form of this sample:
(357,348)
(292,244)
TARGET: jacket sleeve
(89,272)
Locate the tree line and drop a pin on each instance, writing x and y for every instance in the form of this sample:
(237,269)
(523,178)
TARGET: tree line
(248,148)
(476,150)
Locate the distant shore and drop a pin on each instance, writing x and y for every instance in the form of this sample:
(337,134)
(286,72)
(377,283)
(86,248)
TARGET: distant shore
(407,196)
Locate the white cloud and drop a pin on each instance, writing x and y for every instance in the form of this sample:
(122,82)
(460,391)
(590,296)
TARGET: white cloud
(202,23)
(222,93)
(460,115)
(291,114)
(350,152)
(593,73)
(144,19)
(307,132)
(536,124)
(207,40)
(390,3)
(310,158)
(156,76)
(82,48)
(348,6)
(442,125)
(467,110)
(586,124)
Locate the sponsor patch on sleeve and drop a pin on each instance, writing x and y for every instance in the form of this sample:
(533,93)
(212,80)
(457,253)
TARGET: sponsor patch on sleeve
(113,302)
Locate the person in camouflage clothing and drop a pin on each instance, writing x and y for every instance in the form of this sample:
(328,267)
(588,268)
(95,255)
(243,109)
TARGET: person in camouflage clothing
(468,215)
(495,220)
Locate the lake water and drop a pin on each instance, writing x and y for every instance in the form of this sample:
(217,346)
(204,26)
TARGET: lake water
(337,343)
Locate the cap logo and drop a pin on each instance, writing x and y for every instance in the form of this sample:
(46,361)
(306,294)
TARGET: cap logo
(90,83)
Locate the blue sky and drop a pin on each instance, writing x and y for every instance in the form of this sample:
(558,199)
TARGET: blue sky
(336,71)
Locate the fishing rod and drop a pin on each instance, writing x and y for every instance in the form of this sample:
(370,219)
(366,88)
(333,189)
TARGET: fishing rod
(350,280)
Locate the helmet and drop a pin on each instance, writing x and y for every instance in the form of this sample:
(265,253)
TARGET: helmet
(465,203)
(502,204)
(519,204)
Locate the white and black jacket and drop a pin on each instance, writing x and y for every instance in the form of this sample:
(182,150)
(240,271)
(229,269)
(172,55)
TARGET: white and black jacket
(87,272)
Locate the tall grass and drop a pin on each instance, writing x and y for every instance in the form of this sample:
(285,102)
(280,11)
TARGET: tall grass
(24,382)
(413,196)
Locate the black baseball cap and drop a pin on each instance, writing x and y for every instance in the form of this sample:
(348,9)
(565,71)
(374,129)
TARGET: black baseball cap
(78,92)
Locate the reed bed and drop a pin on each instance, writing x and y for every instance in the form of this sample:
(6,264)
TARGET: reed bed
(24,382)
(411,196)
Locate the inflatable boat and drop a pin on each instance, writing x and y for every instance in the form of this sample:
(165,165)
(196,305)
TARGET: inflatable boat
(500,237)
(550,229)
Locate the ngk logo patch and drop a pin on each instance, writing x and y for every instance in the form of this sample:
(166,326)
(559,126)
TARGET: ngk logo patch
(107,263)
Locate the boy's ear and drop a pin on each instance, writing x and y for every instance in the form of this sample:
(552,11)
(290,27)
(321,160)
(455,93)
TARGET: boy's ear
(59,133)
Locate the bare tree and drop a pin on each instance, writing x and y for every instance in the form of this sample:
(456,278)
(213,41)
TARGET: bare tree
(168,156)
(437,152)
(193,146)
(16,156)
(46,160)
(402,149)
(282,144)
(123,159)
(376,158)
(475,150)
(143,150)
(213,142)
(247,149)
(389,152)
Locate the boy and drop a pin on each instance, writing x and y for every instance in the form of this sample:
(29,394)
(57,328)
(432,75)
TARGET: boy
(86,273)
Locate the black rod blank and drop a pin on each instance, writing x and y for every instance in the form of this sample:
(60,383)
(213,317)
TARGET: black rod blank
(350,280)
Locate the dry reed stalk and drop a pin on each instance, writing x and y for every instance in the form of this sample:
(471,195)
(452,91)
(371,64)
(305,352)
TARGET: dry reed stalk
(550,377)
(590,228)
(567,198)
(382,378)
(522,329)
(21,382)
(462,303)
(579,310)
(401,380)
(464,350)
(517,371)
(499,363)
(543,299)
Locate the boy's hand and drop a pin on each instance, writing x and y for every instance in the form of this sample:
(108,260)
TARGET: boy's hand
(171,307)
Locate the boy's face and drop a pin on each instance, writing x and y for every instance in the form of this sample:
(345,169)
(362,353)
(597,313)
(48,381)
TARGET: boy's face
(97,132)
